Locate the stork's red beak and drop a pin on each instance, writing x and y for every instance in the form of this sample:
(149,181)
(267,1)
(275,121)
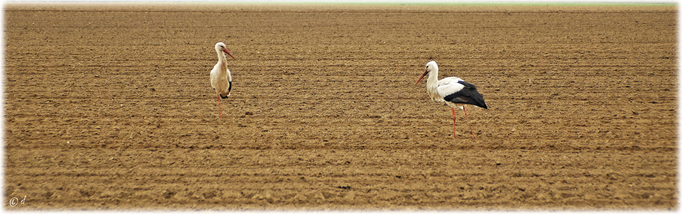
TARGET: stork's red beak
(420,78)
(228,52)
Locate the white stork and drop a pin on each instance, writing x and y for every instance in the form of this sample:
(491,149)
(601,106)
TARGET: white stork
(452,91)
(221,78)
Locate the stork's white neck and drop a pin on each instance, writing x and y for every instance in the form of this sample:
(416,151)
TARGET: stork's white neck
(222,59)
(222,64)
(432,82)
(433,76)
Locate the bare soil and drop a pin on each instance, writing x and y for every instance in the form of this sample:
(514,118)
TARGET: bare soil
(110,107)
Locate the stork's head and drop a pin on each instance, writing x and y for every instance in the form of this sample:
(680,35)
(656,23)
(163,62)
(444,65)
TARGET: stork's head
(222,48)
(430,66)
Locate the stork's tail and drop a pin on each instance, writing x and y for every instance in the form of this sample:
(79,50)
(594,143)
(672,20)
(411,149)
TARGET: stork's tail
(478,101)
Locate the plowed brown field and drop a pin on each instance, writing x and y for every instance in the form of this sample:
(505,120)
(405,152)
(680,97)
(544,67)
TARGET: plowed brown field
(110,107)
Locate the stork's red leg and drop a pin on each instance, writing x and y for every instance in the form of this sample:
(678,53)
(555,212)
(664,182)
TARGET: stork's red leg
(454,124)
(220,112)
(465,115)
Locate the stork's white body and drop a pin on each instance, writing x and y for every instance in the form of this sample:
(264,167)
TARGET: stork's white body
(221,77)
(437,89)
(452,91)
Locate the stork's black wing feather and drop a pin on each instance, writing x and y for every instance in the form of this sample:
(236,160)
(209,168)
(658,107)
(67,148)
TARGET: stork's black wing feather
(468,95)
